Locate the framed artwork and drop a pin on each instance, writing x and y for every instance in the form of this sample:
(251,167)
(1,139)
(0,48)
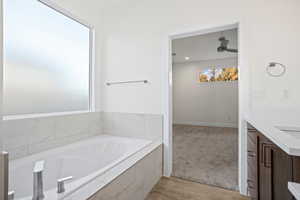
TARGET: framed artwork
(214,74)
(207,75)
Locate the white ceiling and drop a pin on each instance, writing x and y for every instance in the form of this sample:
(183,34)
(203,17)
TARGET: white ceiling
(203,47)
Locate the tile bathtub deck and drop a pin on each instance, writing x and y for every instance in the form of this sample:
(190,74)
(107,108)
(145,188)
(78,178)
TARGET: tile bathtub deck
(178,189)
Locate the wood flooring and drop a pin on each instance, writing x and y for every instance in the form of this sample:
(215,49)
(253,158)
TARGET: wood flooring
(178,189)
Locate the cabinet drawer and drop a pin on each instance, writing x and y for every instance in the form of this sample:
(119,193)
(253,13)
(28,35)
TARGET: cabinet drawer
(252,182)
(252,133)
(252,167)
(252,141)
(252,160)
(252,145)
(252,189)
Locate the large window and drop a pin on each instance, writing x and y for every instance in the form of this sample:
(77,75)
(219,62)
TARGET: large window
(46,60)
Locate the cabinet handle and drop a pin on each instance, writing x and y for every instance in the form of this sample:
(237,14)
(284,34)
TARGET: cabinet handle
(249,183)
(251,153)
(252,130)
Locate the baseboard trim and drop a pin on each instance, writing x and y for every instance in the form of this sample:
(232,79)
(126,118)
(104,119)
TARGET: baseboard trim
(214,124)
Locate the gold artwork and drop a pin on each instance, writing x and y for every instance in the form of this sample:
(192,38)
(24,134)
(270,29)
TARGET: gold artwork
(219,74)
(207,75)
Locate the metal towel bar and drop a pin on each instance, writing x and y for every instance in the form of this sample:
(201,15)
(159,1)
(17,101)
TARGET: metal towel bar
(126,82)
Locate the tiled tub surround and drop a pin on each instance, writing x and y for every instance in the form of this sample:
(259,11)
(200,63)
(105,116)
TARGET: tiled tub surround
(70,143)
(144,126)
(136,182)
(24,137)
(93,163)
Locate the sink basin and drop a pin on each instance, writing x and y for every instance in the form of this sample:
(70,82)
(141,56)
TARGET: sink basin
(293,131)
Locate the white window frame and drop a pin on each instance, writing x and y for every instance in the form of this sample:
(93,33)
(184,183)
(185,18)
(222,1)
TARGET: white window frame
(91,107)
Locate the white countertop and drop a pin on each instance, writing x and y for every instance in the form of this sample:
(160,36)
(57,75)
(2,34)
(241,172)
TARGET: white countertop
(294,188)
(287,141)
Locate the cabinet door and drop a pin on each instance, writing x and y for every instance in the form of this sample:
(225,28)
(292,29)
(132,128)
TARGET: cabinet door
(296,169)
(265,169)
(276,169)
(282,173)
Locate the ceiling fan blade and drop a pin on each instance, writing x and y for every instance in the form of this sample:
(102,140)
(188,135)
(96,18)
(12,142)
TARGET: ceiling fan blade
(231,50)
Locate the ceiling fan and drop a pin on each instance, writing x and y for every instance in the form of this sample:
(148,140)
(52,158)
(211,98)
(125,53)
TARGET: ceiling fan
(224,46)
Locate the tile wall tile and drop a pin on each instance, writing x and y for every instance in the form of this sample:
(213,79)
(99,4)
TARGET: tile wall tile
(145,126)
(23,137)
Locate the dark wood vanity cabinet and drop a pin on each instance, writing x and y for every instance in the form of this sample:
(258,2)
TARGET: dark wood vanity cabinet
(269,169)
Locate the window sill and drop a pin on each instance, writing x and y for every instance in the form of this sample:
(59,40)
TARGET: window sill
(33,116)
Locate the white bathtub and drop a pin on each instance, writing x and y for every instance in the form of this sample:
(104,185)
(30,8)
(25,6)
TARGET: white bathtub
(93,163)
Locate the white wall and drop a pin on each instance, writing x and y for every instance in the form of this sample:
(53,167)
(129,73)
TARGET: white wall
(204,104)
(136,47)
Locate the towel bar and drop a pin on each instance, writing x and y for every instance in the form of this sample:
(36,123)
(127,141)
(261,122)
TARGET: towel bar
(125,82)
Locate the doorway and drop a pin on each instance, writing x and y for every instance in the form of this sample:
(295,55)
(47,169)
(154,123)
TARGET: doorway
(205,103)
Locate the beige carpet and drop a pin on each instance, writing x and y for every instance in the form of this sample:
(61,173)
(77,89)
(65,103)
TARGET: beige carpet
(177,189)
(207,155)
